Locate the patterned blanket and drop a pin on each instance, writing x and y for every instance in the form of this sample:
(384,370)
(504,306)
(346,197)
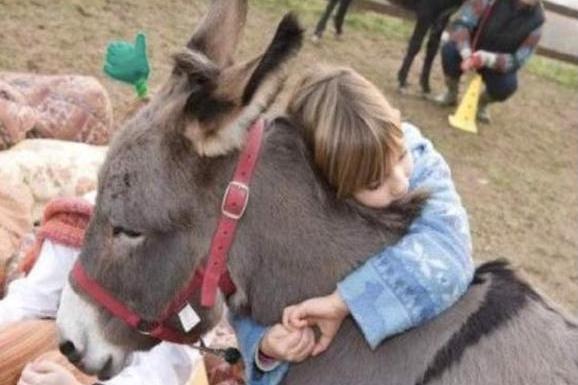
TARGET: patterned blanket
(75,108)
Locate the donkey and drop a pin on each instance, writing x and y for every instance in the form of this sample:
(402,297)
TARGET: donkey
(159,200)
(432,15)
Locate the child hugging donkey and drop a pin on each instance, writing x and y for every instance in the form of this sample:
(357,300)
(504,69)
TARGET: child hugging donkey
(367,154)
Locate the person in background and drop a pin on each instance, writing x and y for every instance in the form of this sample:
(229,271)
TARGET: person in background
(338,20)
(494,38)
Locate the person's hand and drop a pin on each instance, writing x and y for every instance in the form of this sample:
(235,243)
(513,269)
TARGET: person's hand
(46,373)
(478,59)
(471,63)
(284,344)
(128,63)
(327,313)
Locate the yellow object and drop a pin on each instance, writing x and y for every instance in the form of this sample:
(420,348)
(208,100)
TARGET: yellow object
(465,116)
(199,376)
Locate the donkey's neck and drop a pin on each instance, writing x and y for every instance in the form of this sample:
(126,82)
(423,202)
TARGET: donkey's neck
(296,240)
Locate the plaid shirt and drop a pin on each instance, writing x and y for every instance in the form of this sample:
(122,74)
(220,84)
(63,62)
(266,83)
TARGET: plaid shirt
(466,21)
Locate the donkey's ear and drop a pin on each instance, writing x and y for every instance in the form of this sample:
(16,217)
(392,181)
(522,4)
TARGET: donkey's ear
(285,44)
(220,30)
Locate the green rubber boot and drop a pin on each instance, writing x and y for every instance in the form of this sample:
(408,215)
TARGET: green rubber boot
(483,115)
(449,97)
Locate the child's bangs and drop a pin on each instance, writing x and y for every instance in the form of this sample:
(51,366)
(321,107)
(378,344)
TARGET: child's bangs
(393,147)
(361,160)
(368,157)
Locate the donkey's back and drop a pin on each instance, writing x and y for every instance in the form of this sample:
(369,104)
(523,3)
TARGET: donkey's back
(500,332)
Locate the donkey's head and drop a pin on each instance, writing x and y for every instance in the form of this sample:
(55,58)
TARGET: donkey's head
(146,225)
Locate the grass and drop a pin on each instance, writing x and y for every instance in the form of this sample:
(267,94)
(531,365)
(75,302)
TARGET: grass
(311,10)
(555,70)
(396,28)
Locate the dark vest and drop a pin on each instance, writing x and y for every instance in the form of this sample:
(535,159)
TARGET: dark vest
(508,25)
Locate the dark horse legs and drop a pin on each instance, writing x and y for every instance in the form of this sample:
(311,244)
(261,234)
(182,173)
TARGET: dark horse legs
(421,27)
(433,44)
(339,17)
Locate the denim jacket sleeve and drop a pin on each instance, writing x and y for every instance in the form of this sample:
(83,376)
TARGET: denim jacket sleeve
(428,269)
(249,334)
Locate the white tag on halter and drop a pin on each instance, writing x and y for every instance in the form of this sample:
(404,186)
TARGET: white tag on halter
(189,318)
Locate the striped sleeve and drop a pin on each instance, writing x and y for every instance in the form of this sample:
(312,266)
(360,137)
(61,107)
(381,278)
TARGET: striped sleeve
(465,22)
(506,62)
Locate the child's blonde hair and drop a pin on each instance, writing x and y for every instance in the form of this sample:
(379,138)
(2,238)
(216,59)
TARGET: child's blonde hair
(354,132)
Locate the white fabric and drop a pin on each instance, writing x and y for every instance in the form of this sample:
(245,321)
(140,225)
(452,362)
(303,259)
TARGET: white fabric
(48,168)
(38,296)
(165,364)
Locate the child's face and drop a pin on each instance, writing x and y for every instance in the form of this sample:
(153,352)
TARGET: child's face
(395,186)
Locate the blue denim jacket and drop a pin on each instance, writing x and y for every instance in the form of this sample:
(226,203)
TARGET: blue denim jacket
(406,284)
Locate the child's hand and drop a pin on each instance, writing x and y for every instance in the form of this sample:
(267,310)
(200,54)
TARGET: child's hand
(291,345)
(46,373)
(326,312)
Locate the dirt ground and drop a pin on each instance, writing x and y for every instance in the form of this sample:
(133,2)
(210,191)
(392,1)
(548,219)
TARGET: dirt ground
(518,177)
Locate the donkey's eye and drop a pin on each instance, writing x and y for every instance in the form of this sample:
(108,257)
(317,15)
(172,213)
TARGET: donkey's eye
(117,230)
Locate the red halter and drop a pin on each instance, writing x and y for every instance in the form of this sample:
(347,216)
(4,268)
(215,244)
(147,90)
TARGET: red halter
(208,279)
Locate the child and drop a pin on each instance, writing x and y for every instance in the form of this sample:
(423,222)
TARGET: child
(367,154)
(37,296)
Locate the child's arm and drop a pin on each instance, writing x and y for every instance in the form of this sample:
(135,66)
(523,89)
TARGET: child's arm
(410,282)
(428,270)
(280,344)
(249,335)
(37,295)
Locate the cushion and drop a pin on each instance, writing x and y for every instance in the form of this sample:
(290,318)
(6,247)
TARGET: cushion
(74,108)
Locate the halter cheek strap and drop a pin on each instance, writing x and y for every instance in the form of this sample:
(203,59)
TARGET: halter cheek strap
(234,204)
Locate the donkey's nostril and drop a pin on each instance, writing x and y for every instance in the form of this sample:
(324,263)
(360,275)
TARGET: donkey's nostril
(68,349)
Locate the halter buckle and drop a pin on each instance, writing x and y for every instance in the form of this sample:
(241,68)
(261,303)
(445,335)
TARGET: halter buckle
(226,208)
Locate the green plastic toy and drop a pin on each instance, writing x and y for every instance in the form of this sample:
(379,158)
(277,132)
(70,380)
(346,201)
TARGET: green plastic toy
(129,63)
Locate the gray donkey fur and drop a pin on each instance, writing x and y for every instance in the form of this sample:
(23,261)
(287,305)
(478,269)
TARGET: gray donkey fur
(159,200)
